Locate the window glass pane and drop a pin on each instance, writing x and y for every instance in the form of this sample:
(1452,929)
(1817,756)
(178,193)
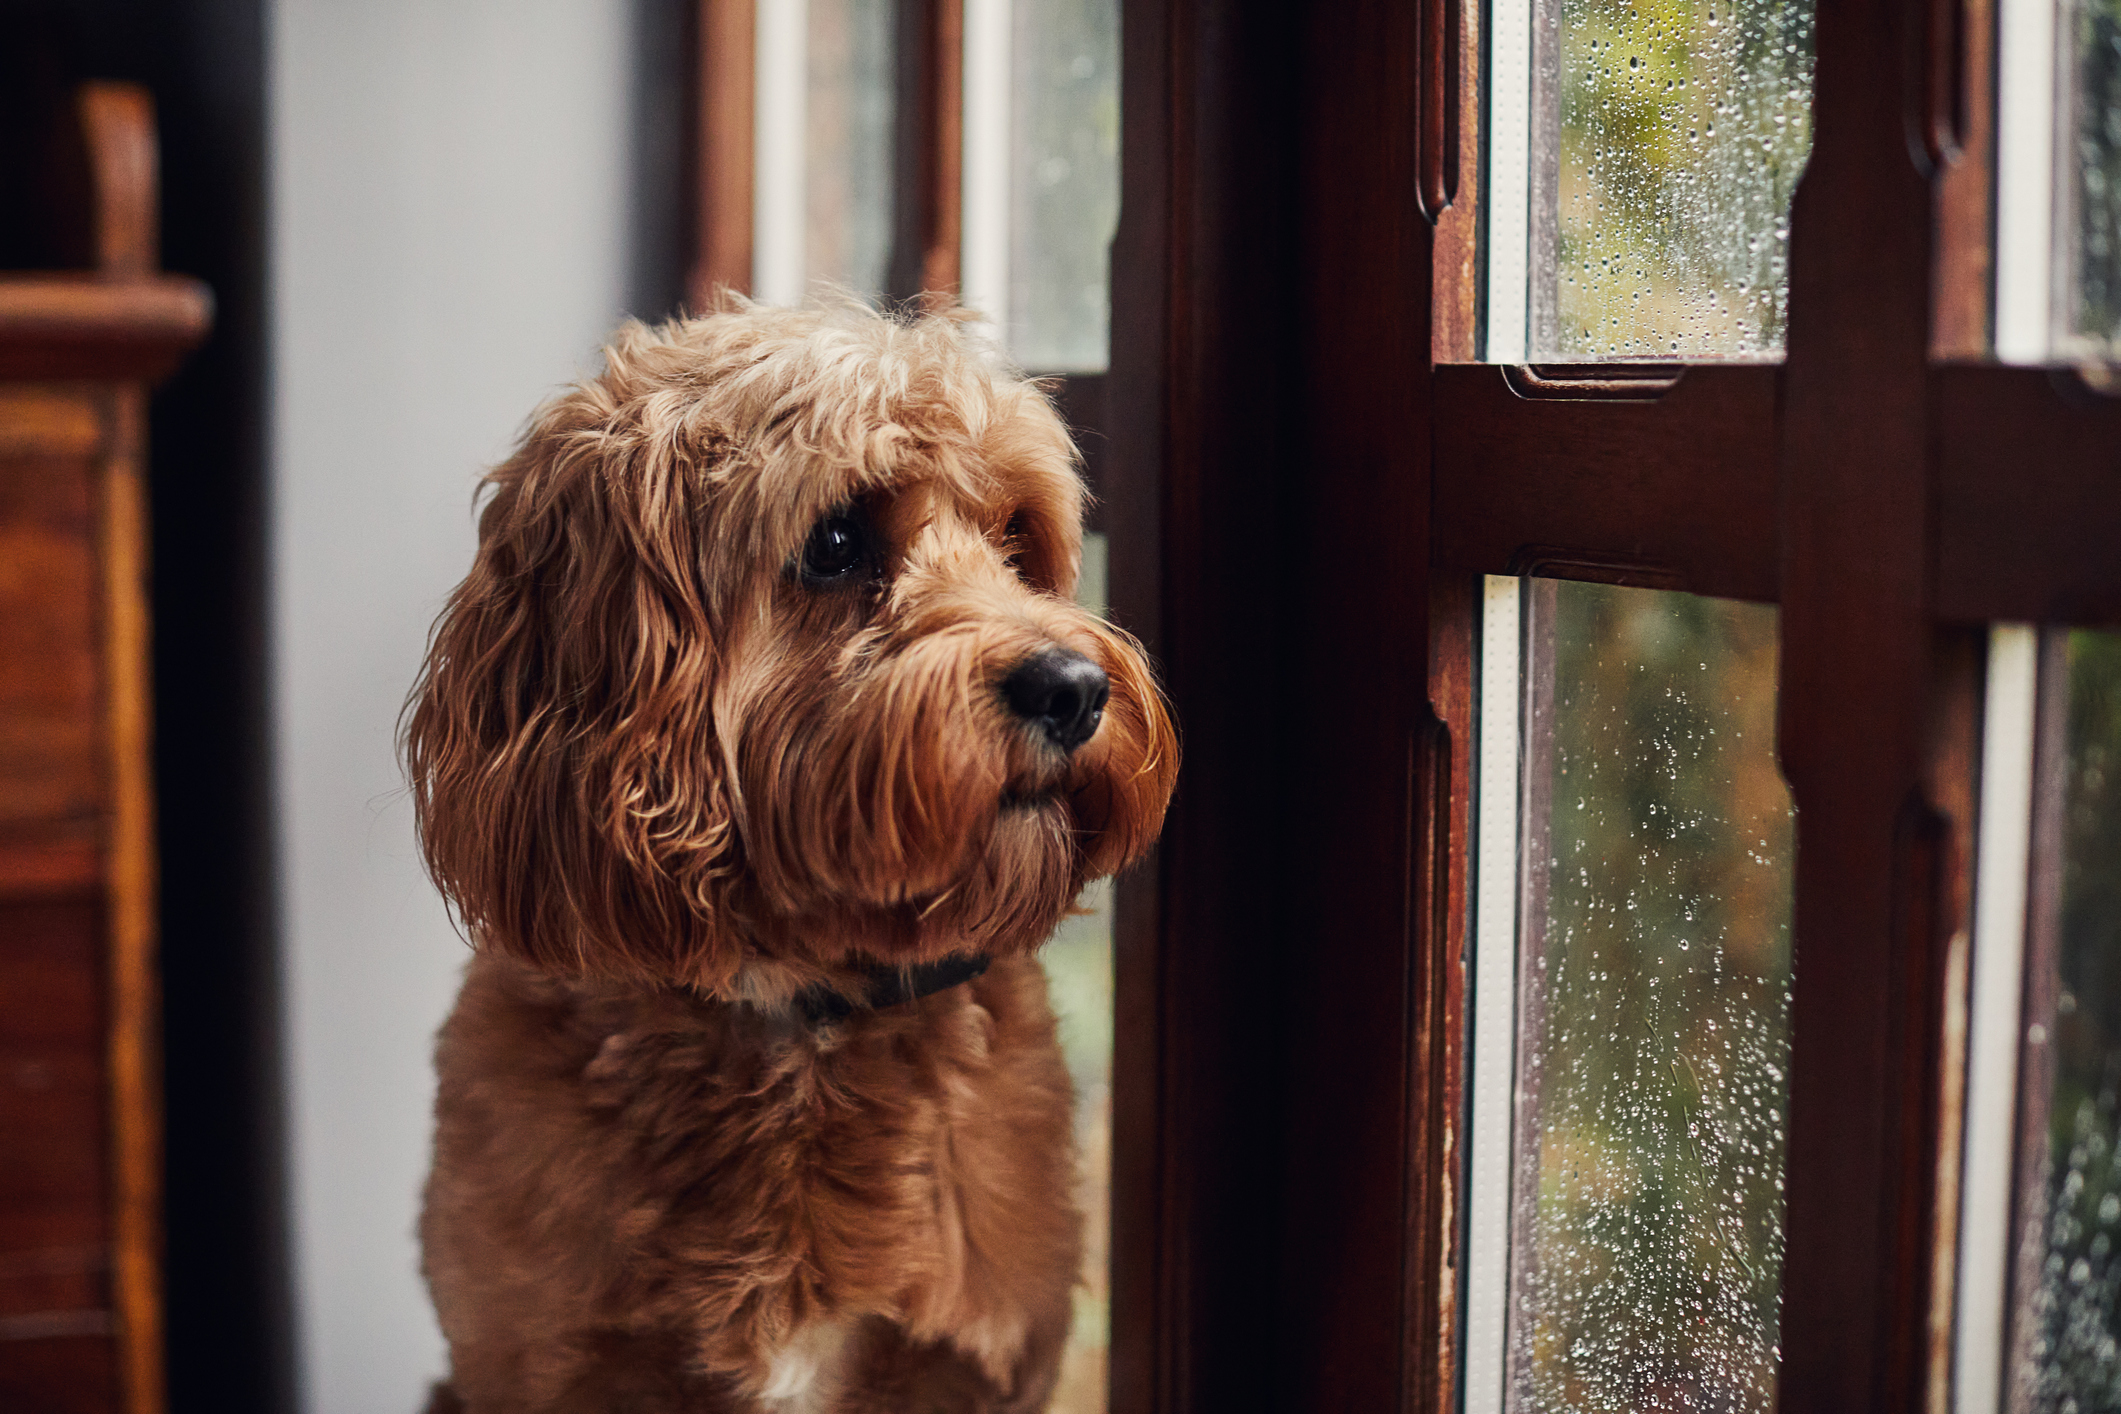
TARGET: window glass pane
(1079,976)
(852,61)
(2069,1318)
(2094,166)
(1674,133)
(1653,1011)
(1064,178)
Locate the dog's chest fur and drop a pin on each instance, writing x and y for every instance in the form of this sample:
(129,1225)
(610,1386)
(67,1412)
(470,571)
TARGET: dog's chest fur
(788,1212)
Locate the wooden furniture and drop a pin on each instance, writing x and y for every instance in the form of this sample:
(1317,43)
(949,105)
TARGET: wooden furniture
(80,1142)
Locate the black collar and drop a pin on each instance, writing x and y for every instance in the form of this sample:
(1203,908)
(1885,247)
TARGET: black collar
(885,986)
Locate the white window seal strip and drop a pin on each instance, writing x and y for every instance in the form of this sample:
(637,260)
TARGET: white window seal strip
(1509,194)
(1494,1038)
(2003,855)
(2026,94)
(989,52)
(780,182)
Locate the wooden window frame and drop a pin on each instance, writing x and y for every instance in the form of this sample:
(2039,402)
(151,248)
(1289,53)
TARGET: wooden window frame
(1891,491)
(1303,472)
(928,220)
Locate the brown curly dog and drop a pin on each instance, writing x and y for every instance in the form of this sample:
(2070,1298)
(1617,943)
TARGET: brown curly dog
(759,751)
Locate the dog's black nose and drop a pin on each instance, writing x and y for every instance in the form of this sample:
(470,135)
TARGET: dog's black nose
(1064,693)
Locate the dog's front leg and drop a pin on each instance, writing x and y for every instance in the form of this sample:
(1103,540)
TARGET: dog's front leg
(896,1375)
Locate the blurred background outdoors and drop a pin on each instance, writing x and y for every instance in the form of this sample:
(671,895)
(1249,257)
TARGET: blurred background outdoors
(2091,317)
(1683,128)
(1654,1011)
(2068,1270)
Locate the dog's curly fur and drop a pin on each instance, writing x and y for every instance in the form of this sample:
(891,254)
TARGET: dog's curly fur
(672,782)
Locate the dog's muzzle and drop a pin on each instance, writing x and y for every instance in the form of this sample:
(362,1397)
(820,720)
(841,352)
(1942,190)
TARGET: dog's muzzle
(1060,692)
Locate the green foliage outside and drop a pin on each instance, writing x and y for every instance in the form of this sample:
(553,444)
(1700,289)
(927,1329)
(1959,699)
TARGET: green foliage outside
(2097,143)
(2073,1363)
(1648,1273)
(1685,125)
(1065,198)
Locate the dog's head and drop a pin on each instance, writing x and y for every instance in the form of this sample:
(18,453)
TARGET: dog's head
(769,654)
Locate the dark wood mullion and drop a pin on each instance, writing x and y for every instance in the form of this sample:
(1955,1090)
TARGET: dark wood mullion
(1931,948)
(1189,1331)
(1952,789)
(1080,398)
(1438,1131)
(1450,182)
(1208,505)
(1452,151)
(1148,1252)
(1361,1002)
(2027,486)
(1961,133)
(1855,530)
(1681,488)
(2028,496)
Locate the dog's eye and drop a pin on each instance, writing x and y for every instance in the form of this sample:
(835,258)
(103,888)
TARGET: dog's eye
(1016,539)
(837,548)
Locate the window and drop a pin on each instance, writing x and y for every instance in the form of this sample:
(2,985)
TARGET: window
(2060,144)
(1643,163)
(1849,458)
(1423,314)
(1631,974)
(2039,1320)
(2066,1284)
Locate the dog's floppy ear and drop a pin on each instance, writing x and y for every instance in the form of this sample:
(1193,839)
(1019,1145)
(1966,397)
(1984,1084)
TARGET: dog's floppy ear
(560,742)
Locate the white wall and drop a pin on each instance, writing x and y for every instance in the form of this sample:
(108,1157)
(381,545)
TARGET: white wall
(449,180)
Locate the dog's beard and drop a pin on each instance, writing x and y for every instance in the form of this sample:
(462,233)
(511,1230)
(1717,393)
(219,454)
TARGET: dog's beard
(907,813)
